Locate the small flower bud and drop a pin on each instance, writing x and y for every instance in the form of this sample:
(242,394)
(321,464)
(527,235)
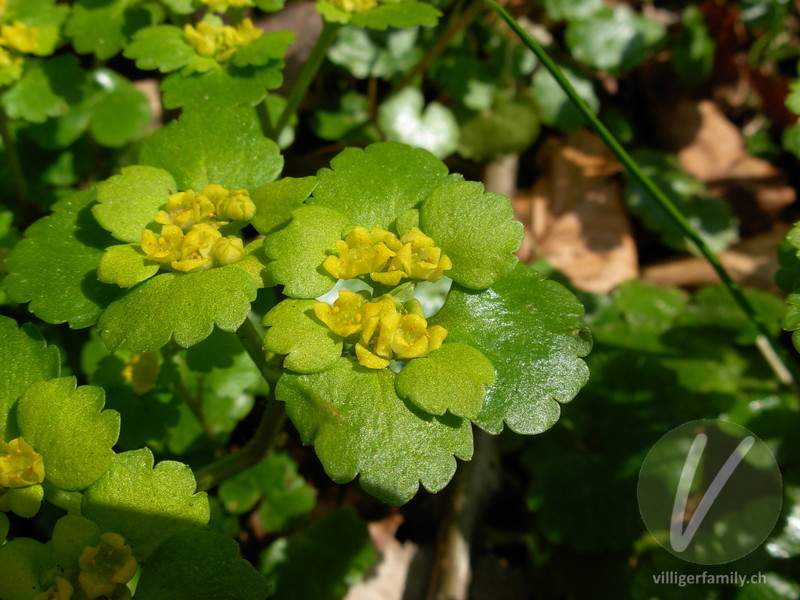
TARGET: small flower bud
(228,250)
(106,567)
(236,206)
(20,464)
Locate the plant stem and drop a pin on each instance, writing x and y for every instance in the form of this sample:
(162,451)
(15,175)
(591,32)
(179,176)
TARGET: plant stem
(467,17)
(69,501)
(14,164)
(263,440)
(306,76)
(195,404)
(765,342)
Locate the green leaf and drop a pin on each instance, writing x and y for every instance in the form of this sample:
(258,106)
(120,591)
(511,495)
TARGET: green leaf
(381,54)
(345,120)
(358,425)
(374,185)
(125,265)
(613,38)
(103,26)
(284,494)
(339,547)
(711,217)
(25,358)
(232,153)
(693,55)
(121,112)
(268,47)
(23,563)
(221,87)
(451,378)
(128,203)
(70,429)
(47,89)
(26,501)
(530,331)
(161,47)
(181,306)
(298,250)
(145,505)
(402,118)
(555,108)
(44,14)
(405,13)
(275,201)
(201,565)
(54,267)
(71,534)
(510,127)
(570,10)
(294,330)
(475,229)
(270,5)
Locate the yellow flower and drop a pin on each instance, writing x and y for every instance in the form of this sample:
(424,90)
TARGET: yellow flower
(420,258)
(354,6)
(166,248)
(60,590)
(234,205)
(196,251)
(141,372)
(20,37)
(220,42)
(228,250)
(20,464)
(3,7)
(186,209)
(345,317)
(106,566)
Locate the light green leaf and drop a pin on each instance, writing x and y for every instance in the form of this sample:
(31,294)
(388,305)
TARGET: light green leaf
(121,112)
(201,565)
(128,203)
(232,153)
(270,5)
(451,378)
(161,47)
(181,306)
(102,26)
(25,501)
(47,89)
(25,358)
(71,534)
(44,14)
(345,120)
(125,265)
(475,229)
(339,547)
(510,127)
(555,108)
(562,10)
(221,86)
(268,47)
(358,425)
(54,267)
(295,331)
(530,331)
(298,250)
(374,185)
(406,13)
(275,201)
(382,54)
(70,429)
(145,505)
(404,118)
(23,563)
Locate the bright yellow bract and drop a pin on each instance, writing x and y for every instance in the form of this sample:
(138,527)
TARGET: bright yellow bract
(381,330)
(386,258)
(106,566)
(190,240)
(20,464)
(221,42)
(20,37)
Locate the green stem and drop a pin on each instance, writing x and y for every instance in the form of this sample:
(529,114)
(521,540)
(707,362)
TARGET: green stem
(14,164)
(69,501)
(195,404)
(765,341)
(307,74)
(270,426)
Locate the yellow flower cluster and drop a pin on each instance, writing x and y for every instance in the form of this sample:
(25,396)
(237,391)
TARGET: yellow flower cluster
(354,6)
(381,331)
(190,240)
(16,39)
(20,464)
(106,567)
(221,42)
(141,372)
(387,258)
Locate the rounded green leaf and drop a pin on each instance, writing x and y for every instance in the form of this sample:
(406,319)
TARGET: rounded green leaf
(122,112)
(181,306)
(196,564)
(70,429)
(298,250)
(23,563)
(475,229)
(294,330)
(128,202)
(268,47)
(125,265)
(47,89)
(233,153)
(510,127)
(275,201)
(452,378)
(71,534)
(161,47)
(374,185)
(405,118)
(25,358)
(55,266)
(25,501)
(406,13)
(145,505)
(358,425)
(530,331)
(102,27)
